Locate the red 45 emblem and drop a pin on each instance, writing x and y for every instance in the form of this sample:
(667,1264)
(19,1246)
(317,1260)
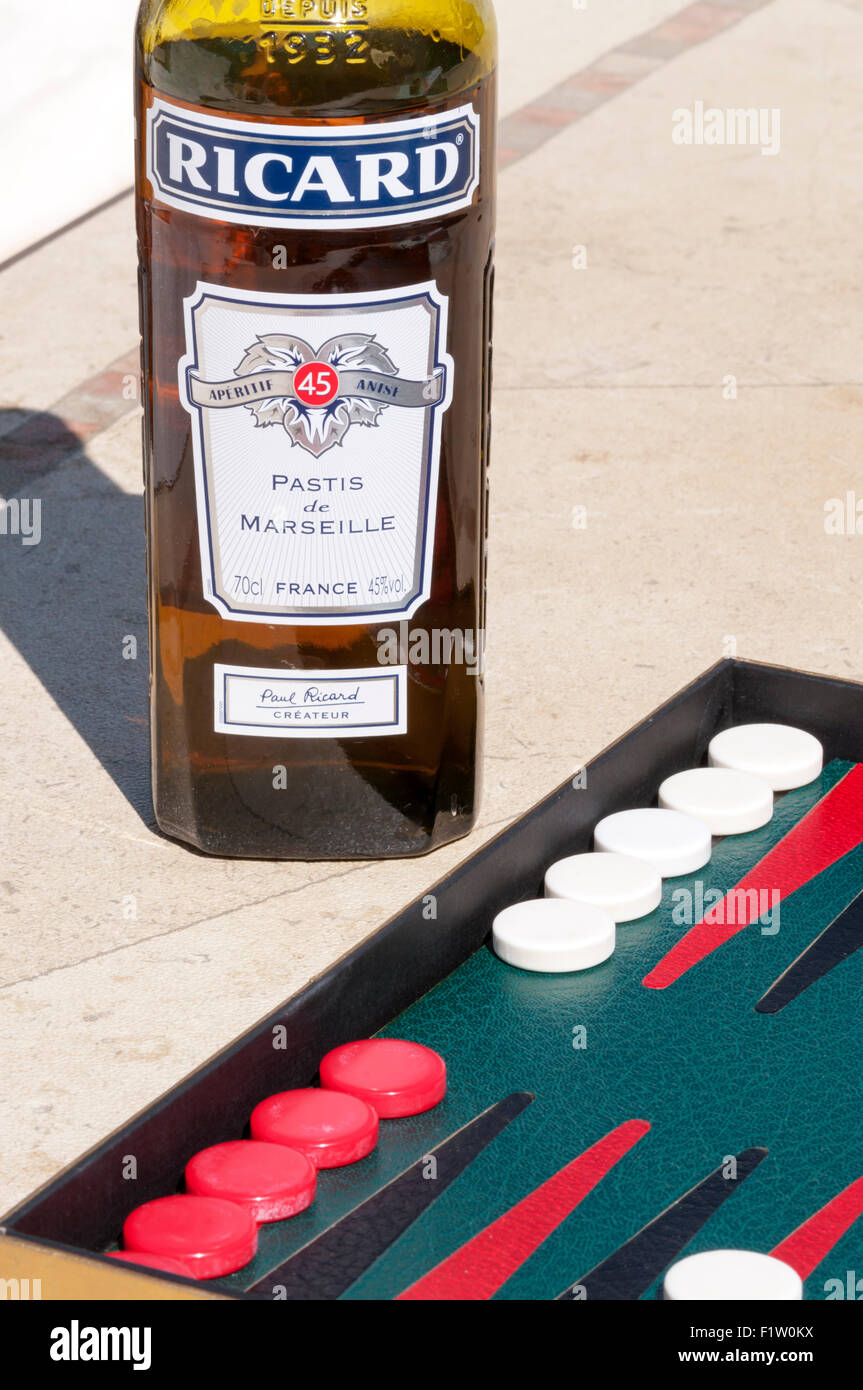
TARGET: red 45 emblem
(316,383)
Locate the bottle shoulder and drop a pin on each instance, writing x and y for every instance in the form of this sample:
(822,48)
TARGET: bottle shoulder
(316,58)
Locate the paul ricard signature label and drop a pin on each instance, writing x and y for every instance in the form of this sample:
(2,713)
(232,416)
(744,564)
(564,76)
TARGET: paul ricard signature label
(317,435)
(310,704)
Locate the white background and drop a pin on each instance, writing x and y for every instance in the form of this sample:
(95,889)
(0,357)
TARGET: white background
(66,112)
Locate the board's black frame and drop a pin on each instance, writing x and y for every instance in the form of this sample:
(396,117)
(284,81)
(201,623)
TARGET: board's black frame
(83,1209)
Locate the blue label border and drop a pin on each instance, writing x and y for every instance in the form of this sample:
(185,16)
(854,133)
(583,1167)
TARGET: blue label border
(463,119)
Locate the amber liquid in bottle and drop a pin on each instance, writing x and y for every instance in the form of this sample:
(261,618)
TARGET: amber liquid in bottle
(268,796)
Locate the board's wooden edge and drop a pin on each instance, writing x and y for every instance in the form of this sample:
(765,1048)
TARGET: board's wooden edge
(32,1271)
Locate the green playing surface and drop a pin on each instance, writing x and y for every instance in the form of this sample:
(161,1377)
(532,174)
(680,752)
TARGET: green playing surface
(709,1074)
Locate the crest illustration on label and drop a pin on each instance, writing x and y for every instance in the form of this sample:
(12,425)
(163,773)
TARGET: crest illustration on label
(263,174)
(317,432)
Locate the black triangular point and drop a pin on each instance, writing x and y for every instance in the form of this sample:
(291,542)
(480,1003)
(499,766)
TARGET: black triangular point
(836,943)
(327,1267)
(627,1274)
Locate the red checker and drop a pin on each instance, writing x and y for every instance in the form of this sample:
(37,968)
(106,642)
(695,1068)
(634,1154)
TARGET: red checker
(331,1128)
(164,1263)
(211,1236)
(397,1078)
(271,1181)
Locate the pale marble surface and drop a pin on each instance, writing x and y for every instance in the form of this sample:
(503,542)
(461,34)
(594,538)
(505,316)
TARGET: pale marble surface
(705,530)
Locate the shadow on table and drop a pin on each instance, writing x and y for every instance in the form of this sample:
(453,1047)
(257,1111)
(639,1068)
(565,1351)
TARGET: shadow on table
(73,593)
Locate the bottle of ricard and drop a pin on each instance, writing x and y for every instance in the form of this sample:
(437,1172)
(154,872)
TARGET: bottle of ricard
(316,219)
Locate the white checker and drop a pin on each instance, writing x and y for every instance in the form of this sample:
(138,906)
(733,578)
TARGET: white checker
(553,937)
(785,757)
(624,887)
(673,843)
(732,1276)
(729,803)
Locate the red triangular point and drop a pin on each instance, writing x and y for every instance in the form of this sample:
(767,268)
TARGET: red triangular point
(478,1269)
(825,834)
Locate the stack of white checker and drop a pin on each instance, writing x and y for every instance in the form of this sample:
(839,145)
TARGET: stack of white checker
(574,926)
(587,895)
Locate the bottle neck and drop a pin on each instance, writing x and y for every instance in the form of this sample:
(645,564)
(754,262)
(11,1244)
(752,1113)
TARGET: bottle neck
(336,59)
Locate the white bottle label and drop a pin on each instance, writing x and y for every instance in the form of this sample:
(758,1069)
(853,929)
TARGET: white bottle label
(260,703)
(317,434)
(272,174)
